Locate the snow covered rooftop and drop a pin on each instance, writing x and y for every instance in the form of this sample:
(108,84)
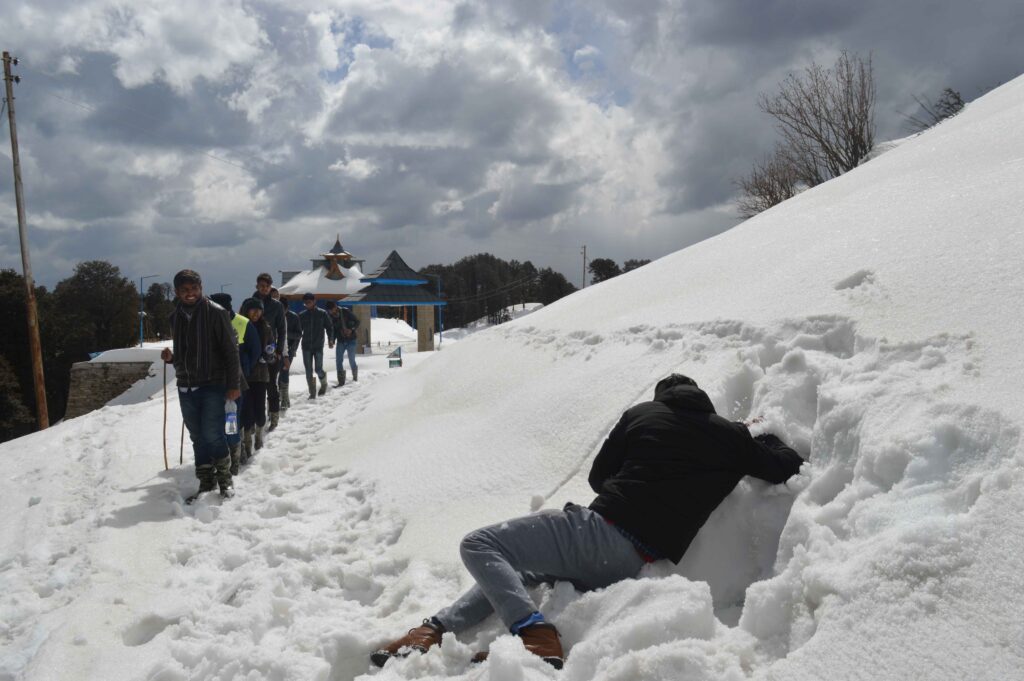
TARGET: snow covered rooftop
(316,281)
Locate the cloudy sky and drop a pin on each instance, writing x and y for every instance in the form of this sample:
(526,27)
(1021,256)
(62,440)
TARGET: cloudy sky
(235,137)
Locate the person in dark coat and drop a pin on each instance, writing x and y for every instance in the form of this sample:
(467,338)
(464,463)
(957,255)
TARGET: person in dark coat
(294,337)
(249,351)
(315,323)
(345,324)
(273,312)
(254,407)
(205,358)
(665,466)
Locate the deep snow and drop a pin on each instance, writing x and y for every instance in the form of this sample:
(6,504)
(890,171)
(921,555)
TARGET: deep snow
(872,321)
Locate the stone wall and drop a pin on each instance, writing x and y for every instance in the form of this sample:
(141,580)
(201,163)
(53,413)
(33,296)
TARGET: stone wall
(363,338)
(93,384)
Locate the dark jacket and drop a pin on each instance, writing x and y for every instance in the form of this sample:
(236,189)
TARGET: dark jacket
(345,325)
(260,371)
(205,349)
(294,332)
(667,464)
(314,323)
(273,312)
(249,349)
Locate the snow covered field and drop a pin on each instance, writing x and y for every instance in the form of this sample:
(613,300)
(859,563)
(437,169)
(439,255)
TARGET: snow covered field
(874,322)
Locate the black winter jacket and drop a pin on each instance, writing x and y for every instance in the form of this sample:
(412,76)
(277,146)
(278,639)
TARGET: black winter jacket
(273,312)
(205,346)
(294,332)
(345,325)
(314,324)
(667,464)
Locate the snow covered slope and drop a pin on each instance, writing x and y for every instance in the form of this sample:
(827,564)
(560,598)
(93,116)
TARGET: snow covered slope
(872,321)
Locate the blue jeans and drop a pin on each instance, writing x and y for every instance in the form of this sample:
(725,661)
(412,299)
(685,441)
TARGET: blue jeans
(573,545)
(340,349)
(310,356)
(203,411)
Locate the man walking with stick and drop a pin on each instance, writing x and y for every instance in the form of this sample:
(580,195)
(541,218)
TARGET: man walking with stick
(205,358)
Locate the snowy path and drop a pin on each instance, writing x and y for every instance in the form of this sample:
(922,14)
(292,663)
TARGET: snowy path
(273,581)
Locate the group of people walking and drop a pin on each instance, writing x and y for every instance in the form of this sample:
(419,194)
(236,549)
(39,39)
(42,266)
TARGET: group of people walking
(227,361)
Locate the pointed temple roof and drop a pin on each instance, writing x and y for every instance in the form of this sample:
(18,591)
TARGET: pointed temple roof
(337,251)
(394,271)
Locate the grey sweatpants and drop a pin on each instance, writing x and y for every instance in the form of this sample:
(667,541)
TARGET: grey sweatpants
(572,545)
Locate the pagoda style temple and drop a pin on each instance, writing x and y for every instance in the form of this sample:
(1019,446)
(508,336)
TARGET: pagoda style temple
(337,275)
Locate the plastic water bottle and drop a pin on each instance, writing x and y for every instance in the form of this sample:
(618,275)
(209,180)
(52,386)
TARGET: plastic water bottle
(230,417)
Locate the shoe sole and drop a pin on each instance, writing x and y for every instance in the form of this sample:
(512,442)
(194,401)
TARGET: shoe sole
(380,657)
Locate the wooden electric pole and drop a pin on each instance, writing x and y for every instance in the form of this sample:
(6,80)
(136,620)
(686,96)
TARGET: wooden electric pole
(42,416)
(584,266)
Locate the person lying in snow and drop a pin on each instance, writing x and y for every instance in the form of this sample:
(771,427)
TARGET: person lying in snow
(665,466)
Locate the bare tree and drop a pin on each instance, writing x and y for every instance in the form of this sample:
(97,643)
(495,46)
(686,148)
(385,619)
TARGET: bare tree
(826,117)
(949,104)
(770,182)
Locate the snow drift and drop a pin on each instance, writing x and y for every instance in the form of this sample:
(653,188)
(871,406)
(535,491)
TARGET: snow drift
(872,321)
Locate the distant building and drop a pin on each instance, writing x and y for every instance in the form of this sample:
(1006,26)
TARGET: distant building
(337,275)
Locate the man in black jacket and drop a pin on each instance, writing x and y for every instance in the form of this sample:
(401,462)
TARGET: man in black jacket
(206,366)
(314,323)
(273,312)
(345,324)
(665,466)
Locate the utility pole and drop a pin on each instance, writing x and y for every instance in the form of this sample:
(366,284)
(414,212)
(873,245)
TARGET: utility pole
(584,266)
(42,414)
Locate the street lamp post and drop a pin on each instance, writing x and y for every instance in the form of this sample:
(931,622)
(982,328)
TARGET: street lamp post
(223,285)
(142,300)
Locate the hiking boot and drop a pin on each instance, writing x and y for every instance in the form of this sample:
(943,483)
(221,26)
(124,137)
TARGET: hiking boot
(341,377)
(420,639)
(311,384)
(274,417)
(207,475)
(236,457)
(323,386)
(224,481)
(541,639)
(286,402)
(246,453)
(542,642)
(258,442)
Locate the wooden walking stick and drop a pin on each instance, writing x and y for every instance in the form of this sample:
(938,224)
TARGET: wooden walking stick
(166,467)
(181,447)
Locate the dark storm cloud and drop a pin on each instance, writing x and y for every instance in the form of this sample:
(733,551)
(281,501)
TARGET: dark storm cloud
(490,123)
(485,111)
(727,52)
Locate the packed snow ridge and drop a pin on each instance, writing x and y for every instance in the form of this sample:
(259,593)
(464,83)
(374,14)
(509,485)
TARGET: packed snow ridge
(873,322)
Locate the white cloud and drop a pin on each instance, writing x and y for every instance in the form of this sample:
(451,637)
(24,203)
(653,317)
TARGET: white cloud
(328,44)
(224,193)
(586,57)
(356,168)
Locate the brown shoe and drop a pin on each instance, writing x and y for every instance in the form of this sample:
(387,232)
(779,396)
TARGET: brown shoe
(541,640)
(420,639)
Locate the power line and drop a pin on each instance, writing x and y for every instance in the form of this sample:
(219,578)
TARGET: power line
(504,288)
